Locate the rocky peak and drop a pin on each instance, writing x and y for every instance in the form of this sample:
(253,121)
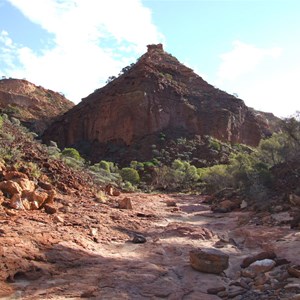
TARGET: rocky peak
(34,105)
(157,94)
(153,47)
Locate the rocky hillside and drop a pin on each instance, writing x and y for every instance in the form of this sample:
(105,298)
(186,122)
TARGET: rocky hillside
(154,98)
(33,105)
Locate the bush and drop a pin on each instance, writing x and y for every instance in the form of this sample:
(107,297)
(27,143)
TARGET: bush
(71,152)
(105,165)
(130,174)
(73,162)
(216,177)
(215,145)
(128,187)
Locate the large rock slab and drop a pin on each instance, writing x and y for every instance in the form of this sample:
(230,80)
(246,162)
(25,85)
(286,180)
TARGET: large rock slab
(209,260)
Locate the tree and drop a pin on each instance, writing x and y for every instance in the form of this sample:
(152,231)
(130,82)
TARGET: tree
(110,79)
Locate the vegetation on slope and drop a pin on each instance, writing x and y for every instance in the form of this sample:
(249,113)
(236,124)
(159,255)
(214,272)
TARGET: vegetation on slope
(270,170)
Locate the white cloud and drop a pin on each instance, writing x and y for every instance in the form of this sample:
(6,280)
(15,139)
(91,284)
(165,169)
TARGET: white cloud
(92,40)
(277,93)
(242,59)
(265,78)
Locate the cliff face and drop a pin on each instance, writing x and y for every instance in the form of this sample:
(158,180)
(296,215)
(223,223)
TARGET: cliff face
(156,94)
(33,105)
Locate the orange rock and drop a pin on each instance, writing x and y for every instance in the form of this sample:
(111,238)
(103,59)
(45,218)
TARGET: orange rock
(209,260)
(27,205)
(40,197)
(45,185)
(10,187)
(51,196)
(125,203)
(16,202)
(14,174)
(111,190)
(25,184)
(116,192)
(50,209)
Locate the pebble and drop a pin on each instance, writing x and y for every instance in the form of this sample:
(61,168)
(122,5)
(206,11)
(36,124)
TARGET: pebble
(139,239)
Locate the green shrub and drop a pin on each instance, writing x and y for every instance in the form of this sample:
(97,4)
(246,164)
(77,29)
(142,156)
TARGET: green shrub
(130,174)
(128,187)
(73,162)
(53,152)
(105,165)
(15,121)
(139,166)
(216,177)
(71,152)
(215,145)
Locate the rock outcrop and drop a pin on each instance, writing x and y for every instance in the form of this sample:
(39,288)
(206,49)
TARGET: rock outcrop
(157,95)
(32,105)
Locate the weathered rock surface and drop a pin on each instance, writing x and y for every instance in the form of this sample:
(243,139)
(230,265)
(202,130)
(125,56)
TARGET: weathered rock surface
(86,251)
(31,104)
(209,260)
(157,94)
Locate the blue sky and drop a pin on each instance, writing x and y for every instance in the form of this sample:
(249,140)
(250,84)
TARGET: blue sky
(247,47)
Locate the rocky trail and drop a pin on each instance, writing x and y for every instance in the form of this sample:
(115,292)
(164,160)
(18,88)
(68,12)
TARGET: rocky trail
(95,250)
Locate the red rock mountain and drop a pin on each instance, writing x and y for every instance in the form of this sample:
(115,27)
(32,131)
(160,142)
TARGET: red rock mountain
(157,95)
(32,105)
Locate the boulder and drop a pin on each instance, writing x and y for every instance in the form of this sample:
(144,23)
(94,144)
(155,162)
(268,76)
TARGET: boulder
(262,255)
(44,185)
(262,266)
(209,260)
(16,202)
(49,209)
(51,196)
(111,190)
(125,203)
(25,184)
(225,206)
(14,174)
(10,187)
(38,197)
